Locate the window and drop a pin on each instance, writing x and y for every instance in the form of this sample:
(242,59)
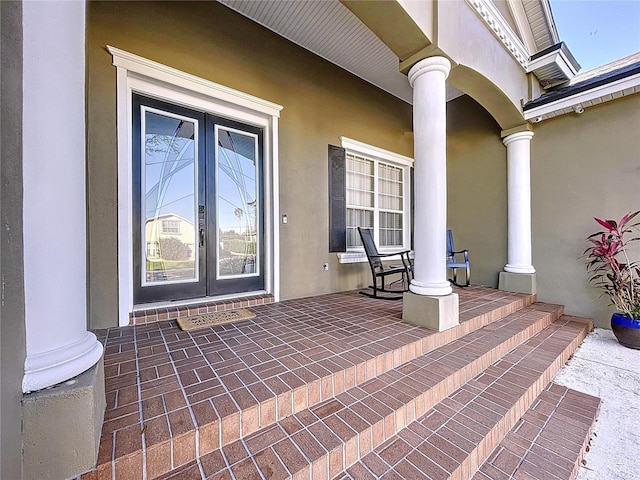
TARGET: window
(171,226)
(377,196)
(375,199)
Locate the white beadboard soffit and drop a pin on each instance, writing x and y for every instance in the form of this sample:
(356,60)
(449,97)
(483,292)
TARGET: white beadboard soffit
(331,31)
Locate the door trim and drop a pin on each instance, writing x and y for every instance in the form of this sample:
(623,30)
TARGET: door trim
(140,75)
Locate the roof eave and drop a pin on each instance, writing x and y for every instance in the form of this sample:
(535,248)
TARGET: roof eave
(579,98)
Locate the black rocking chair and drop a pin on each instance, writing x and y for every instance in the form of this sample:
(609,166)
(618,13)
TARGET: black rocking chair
(380,271)
(454,262)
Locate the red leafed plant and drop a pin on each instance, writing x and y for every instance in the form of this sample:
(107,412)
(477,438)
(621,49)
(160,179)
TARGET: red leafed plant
(609,267)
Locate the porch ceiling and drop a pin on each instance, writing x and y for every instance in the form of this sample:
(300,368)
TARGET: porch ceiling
(333,32)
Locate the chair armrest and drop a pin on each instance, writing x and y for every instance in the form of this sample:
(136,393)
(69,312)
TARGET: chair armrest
(464,252)
(381,255)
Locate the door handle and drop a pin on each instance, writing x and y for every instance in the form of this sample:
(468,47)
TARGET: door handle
(202,236)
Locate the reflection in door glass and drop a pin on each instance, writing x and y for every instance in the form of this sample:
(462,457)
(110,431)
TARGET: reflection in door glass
(169,204)
(237,206)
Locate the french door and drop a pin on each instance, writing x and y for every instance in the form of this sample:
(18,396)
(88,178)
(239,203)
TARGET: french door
(197,203)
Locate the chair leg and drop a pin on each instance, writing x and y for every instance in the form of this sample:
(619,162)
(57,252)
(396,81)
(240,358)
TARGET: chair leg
(376,289)
(454,280)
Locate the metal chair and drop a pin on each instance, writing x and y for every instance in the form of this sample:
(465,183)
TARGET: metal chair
(454,262)
(380,271)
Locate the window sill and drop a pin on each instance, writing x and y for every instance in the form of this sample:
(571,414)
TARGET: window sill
(361,257)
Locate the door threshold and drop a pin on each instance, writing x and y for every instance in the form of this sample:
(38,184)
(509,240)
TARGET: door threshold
(161,311)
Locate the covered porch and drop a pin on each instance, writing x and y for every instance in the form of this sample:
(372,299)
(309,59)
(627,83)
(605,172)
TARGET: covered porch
(337,386)
(316,386)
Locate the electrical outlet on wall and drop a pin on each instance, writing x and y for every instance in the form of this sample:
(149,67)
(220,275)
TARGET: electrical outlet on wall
(326,267)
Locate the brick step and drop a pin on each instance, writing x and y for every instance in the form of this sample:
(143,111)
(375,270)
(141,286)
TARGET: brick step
(320,441)
(217,387)
(549,441)
(458,435)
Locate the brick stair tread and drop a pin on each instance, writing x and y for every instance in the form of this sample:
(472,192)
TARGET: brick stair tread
(227,406)
(549,441)
(455,437)
(321,440)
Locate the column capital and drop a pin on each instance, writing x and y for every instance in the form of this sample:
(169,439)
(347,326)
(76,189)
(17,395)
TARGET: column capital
(514,137)
(430,64)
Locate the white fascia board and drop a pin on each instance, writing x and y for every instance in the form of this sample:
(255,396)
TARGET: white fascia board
(522,22)
(559,58)
(582,97)
(546,8)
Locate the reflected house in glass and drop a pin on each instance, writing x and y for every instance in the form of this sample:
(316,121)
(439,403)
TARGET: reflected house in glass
(170,247)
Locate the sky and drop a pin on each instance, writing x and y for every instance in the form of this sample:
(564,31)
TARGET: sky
(598,31)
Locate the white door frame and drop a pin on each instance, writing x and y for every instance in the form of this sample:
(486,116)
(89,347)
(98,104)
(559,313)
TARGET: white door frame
(137,74)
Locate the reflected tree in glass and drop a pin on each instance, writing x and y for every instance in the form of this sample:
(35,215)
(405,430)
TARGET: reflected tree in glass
(237,206)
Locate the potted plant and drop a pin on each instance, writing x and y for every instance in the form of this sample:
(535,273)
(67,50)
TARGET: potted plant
(610,269)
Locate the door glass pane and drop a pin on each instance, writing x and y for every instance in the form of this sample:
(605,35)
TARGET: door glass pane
(169,176)
(237,203)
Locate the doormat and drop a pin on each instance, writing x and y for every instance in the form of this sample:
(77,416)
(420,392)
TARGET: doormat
(213,319)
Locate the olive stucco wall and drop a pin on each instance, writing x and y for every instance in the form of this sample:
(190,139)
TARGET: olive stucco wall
(12,328)
(477,188)
(321,103)
(581,166)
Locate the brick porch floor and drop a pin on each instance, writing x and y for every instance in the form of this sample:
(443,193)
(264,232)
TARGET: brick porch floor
(315,387)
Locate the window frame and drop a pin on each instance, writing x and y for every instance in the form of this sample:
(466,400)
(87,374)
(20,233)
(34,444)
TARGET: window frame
(377,155)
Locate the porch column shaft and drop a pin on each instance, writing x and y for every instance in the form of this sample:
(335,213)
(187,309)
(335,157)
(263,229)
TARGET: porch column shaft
(427,78)
(59,346)
(519,202)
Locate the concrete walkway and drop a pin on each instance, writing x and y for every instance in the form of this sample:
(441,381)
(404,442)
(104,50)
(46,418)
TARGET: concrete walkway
(604,368)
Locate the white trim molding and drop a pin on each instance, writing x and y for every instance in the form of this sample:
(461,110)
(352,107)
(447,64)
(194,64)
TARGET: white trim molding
(148,68)
(140,75)
(373,151)
(494,20)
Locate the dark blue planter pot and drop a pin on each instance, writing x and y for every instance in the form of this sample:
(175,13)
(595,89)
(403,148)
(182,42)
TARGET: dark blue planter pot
(626,330)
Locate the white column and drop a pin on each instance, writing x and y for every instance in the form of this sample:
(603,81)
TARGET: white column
(59,346)
(519,202)
(427,78)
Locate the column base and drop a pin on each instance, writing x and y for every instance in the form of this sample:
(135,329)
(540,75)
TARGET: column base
(518,282)
(437,313)
(62,426)
(519,268)
(432,289)
(49,368)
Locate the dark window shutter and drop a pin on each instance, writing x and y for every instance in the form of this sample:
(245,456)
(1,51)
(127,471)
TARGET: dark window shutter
(337,199)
